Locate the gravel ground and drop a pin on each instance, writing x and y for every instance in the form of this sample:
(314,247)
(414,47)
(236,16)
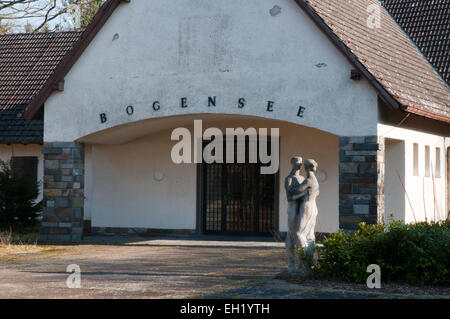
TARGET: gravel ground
(115,267)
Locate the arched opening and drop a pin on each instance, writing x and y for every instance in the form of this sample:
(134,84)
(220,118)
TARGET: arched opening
(133,183)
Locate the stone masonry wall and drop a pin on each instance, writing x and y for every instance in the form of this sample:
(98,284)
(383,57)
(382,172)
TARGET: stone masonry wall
(361,181)
(63,191)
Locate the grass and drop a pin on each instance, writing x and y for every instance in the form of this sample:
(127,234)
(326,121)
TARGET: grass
(18,242)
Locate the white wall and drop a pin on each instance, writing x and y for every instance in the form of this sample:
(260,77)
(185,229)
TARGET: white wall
(125,193)
(394,194)
(7,151)
(427,195)
(158,50)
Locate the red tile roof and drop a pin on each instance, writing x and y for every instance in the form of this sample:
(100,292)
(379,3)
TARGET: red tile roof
(386,53)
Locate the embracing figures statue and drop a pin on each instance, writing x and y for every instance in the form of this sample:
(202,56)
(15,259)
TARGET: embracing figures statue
(302,211)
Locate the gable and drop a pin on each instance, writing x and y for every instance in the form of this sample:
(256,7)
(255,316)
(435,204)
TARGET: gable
(158,51)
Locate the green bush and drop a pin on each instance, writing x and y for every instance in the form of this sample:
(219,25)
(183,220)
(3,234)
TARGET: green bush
(416,253)
(17,199)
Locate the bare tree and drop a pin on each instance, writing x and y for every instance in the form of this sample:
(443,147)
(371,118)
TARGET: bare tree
(42,15)
(4,27)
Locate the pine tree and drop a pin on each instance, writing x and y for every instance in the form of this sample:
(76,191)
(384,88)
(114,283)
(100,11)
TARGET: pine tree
(18,196)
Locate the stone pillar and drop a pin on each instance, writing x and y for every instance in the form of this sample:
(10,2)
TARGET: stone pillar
(361,181)
(63,191)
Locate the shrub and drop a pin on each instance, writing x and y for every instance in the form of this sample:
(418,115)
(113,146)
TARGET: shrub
(416,253)
(17,199)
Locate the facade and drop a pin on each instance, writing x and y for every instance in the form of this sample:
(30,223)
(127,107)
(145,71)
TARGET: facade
(26,62)
(338,90)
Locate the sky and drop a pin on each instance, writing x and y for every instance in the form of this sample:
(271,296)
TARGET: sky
(20,24)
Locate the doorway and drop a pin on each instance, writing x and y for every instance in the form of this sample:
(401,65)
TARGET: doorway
(237,200)
(394,193)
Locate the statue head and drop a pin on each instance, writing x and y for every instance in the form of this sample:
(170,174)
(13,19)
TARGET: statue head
(311,165)
(296,162)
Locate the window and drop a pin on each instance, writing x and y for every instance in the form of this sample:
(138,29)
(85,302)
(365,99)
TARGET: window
(416,159)
(427,161)
(437,163)
(25,166)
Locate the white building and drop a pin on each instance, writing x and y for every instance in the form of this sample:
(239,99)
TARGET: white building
(340,79)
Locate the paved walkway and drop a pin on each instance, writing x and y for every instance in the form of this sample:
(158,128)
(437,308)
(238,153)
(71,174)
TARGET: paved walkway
(115,267)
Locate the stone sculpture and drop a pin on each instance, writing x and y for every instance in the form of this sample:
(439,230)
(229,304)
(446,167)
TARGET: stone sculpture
(302,211)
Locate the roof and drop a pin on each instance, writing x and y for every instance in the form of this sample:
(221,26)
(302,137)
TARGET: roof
(14,129)
(27,61)
(427,24)
(385,55)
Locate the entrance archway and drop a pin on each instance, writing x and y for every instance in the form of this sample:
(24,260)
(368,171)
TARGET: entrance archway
(123,194)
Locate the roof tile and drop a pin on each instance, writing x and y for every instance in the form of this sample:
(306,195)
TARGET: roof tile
(26,62)
(427,23)
(388,54)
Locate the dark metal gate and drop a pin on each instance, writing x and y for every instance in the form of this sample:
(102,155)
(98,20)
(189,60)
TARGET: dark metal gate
(237,199)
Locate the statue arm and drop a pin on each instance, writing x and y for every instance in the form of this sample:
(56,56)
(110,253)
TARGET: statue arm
(299,196)
(302,187)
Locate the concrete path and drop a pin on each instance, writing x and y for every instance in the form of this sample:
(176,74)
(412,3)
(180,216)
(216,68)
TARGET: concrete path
(115,267)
